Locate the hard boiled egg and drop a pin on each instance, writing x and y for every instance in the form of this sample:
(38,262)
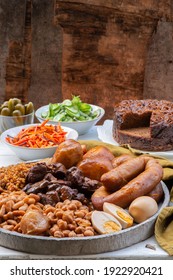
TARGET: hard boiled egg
(104,223)
(119,213)
(142,208)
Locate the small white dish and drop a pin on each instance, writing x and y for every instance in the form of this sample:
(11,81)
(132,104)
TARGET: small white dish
(27,154)
(81,127)
(105,135)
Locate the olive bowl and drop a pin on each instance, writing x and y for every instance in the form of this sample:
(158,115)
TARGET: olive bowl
(7,122)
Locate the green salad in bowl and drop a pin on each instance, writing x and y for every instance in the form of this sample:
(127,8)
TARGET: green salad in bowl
(70,111)
(73,113)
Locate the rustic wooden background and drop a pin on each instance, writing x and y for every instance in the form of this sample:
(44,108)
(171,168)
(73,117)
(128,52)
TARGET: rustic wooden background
(102,50)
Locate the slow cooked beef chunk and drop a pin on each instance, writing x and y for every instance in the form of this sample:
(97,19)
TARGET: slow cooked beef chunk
(58,184)
(36,173)
(58,170)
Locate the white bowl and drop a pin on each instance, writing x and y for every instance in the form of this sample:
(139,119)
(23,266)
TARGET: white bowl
(26,153)
(81,127)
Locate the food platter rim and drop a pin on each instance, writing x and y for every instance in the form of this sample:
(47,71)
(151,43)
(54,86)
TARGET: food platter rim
(103,236)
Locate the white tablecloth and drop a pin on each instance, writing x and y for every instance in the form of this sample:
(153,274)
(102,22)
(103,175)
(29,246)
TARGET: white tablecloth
(137,251)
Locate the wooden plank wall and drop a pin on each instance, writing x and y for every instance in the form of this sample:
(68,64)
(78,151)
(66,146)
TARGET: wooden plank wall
(12,25)
(105,47)
(45,55)
(30,52)
(103,50)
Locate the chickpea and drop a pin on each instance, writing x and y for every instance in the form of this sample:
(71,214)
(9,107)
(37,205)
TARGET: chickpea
(9,215)
(24,207)
(35,196)
(11,222)
(72,234)
(62,224)
(18,204)
(66,232)
(68,217)
(80,214)
(31,200)
(77,203)
(67,202)
(9,205)
(49,209)
(58,234)
(88,216)
(79,230)
(64,207)
(72,206)
(8,227)
(71,227)
(59,214)
(88,233)
(59,205)
(54,228)
(52,217)
(80,235)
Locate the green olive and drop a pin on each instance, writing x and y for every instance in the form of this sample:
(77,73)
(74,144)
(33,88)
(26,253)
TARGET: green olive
(5,104)
(21,108)
(11,105)
(16,113)
(29,108)
(17,100)
(5,112)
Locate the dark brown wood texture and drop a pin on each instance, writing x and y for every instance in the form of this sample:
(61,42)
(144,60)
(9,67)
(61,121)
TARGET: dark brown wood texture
(12,59)
(105,51)
(158,81)
(105,46)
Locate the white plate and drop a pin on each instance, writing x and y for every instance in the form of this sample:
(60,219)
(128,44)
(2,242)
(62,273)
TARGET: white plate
(105,135)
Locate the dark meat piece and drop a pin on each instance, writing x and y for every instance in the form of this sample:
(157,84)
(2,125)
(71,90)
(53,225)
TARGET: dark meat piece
(81,197)
(59,184)
(83,184)
(89,186)
(58,170)
(27,187)
(44,199)
(66,192)
(75,176)
(36,173)
(53,186)
(69,193)
(54,196)
(49,177)
(36,187)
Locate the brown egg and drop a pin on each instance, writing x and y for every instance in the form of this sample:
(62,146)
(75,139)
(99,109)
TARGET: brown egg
(142,208)
(119,213)
(104,223)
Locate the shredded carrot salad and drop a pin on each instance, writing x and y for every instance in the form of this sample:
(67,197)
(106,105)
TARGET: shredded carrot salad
(39,136)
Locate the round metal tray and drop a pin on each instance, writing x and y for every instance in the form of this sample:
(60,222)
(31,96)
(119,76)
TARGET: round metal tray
(82,245)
